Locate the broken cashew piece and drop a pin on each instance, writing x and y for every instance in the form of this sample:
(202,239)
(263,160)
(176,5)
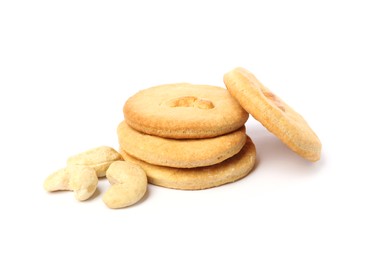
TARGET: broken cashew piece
(98,158)
(128,184)
(80,179)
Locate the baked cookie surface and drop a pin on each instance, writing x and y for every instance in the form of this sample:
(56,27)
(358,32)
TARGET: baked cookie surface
(184,111)
(280,119)
(180,153)
(227,171)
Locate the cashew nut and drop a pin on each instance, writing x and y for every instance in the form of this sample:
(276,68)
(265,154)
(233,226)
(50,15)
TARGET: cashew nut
(80,179)
(98,158)
(128,184)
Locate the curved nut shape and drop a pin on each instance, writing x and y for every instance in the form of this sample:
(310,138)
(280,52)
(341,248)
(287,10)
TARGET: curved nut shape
(128,184)
(98,158)
(80,179)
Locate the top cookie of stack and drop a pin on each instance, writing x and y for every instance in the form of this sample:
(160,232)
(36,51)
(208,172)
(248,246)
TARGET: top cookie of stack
(187,136)
(184,111)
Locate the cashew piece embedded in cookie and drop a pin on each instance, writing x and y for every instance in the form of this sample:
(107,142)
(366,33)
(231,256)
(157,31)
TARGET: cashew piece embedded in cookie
(129,184)
(80,179)
(98,158)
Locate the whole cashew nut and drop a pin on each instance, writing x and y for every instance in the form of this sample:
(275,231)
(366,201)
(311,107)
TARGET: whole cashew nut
(129,184)
(98,158)
(80,179)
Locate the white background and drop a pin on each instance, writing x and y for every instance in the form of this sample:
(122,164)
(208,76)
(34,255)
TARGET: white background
(67,68)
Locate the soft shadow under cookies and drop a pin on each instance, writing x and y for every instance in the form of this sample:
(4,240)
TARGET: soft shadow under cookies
(274,152)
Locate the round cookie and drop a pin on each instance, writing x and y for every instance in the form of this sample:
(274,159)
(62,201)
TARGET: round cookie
(180,153)
(227,171)
(273,113)
(184,111)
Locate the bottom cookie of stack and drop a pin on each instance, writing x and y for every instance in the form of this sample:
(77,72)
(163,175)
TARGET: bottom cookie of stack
(199,178)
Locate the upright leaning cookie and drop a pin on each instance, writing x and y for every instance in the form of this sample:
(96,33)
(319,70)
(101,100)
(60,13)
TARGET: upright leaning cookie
(273,113)
(184,111)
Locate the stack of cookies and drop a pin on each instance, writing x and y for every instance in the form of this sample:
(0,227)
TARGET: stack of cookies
(187,136)
(193,136)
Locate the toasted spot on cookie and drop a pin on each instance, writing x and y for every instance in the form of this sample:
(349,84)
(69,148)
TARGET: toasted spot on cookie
(274,99)
(190,101)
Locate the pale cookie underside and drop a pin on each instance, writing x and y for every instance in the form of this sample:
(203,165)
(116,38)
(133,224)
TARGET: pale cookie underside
(180,153)
(184,111)
(280,119)
(227,171)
